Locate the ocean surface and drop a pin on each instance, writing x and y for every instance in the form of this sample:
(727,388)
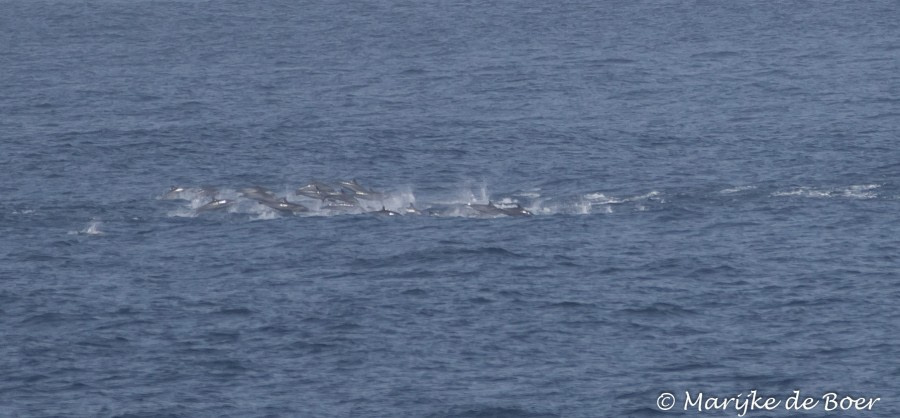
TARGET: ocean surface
(714,191)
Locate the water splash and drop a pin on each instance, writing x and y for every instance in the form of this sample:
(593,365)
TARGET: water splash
(92,228)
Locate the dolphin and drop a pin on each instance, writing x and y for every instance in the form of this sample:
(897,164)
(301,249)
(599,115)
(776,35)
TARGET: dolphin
(411,210)
(215,204)
(311,191)
(174,193)
(316,190)
(385,212)
(259,194)
(284,206)
(183,193)
(488,209)
(492,210)
(359,191)
(517,211)
(445,209)
(340,202)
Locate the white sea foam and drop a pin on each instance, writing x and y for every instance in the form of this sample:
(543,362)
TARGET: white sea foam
(602,199)
(265,215)
(860,191)
(649,195)
(736,189)
(182,213)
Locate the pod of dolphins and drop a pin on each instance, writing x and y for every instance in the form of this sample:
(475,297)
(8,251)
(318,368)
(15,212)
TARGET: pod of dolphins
(341,197)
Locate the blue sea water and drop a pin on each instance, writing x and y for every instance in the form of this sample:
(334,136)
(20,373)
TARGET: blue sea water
(714,188)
